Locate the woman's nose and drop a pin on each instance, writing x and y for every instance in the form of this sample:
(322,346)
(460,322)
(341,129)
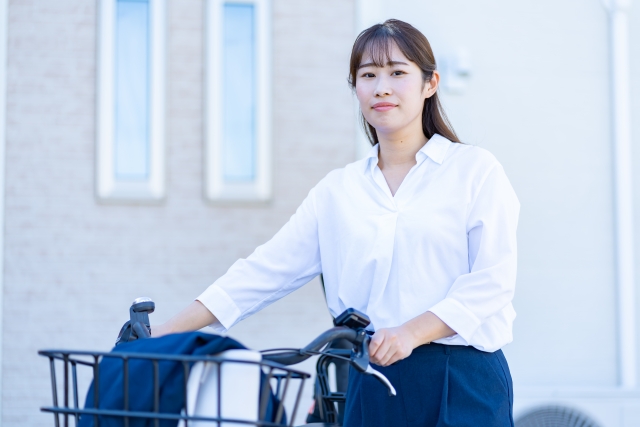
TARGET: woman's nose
(382,88)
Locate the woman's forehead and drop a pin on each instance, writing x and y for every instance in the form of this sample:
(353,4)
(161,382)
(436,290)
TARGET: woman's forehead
(380,53)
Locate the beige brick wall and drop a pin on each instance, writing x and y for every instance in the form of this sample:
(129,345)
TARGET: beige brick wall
(72,265)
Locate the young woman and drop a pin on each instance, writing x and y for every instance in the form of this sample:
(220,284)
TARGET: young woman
(420,235)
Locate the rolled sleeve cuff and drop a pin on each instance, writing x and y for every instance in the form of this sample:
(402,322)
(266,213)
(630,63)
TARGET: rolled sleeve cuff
(220,304)
(457,317)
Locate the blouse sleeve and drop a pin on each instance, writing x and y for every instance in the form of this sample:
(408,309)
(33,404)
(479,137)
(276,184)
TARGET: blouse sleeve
(280,266)
(489,286)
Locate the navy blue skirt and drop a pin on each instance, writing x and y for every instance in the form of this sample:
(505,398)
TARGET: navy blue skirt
(437,386)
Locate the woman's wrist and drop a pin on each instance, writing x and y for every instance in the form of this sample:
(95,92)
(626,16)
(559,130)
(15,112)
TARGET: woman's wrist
(160,330)
(426,328)
(412,334)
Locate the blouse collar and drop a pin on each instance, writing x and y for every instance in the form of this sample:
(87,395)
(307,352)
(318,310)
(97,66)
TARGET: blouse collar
(436,149)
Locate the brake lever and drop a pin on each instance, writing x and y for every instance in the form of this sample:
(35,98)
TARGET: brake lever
(384,380)
(360,360)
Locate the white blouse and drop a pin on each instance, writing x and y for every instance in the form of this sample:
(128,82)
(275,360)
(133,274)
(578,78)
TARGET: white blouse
(446,243)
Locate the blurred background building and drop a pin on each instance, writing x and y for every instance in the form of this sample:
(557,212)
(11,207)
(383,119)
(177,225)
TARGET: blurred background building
(145,145)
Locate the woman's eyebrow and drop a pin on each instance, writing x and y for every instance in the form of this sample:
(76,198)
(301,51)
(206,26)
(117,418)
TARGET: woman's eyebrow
(390,63)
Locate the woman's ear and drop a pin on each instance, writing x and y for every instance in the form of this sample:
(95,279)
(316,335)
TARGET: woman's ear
(432,85)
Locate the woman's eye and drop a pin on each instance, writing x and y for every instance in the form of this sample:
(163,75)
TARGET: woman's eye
(398,73)
(368,75)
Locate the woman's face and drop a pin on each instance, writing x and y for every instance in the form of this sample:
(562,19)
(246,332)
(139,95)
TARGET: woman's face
(392,97)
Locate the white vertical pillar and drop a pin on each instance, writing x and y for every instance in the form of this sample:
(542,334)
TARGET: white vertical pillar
(3,133)
(621,130)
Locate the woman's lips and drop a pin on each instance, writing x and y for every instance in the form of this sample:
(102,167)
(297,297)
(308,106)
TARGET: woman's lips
(383,106)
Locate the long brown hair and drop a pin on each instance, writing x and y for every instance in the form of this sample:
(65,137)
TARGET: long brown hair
(376,41)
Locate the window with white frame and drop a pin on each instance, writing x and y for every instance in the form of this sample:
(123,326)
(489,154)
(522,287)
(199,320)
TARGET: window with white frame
(131,93)
(237,100)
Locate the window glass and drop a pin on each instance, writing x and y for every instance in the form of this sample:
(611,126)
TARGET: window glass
(239,92)
(131,145)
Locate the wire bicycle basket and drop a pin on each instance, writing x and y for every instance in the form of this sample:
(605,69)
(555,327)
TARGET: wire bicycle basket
(235,386)
(273,384)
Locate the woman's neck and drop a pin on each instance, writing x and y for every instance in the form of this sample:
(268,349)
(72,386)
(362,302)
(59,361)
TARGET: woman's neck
(396,150)
(396,158)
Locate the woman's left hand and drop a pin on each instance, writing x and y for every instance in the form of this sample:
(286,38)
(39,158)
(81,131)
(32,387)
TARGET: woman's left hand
(388,345)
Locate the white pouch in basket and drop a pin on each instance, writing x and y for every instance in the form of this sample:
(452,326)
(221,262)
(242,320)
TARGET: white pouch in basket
(240,389)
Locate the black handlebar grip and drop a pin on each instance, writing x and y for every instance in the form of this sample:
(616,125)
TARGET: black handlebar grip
(140,309)
(138,325)
(141,330)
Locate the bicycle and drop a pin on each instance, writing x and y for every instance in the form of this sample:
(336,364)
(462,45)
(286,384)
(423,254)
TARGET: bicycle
(210,398)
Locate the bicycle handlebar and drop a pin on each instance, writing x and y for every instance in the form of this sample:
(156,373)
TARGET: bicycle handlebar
(349,326)
(359,357)
(292,357)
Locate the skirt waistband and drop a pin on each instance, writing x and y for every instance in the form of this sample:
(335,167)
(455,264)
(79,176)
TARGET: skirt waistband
(442,348)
